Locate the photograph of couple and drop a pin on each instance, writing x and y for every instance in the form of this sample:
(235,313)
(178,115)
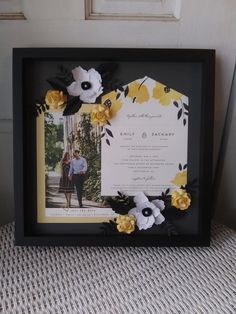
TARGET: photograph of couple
(72,161)
(73,175)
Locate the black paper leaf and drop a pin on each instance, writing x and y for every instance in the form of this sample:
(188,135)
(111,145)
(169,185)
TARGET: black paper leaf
(186,107)
(121,203)
(109,132)
(134,99)
(108,228)
(191,186)
(115,84)
(102,135)
(40,108)
(185,166)
(122,198)
(126,91)
(108,142)
(180,167)
(57,84)
(73,106)
(65,73)
(179,113)
(121,88)
(110,83)
(176,104)
(107,69)
(184,121)
(108,122)
(117,96)
(186,113)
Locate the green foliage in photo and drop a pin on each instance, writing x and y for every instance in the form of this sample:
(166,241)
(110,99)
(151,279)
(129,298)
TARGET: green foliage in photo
(90,148)
(53,141)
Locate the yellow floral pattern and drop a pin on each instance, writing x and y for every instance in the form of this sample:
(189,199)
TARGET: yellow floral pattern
(100,114)
(55,99)
(180,199)
(126,223)
(139,92)
(110,100)
(165,94)
(180,178)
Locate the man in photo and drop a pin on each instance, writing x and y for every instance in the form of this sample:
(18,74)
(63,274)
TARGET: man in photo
(78,168)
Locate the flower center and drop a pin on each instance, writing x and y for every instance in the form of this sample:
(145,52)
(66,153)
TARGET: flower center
(147,212)
(166,89)
(107,103)
(86,85)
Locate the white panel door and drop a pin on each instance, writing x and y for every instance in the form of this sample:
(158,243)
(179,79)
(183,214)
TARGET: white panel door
(133,9)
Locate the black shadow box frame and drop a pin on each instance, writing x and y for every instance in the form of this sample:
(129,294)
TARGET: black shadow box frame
(188,70)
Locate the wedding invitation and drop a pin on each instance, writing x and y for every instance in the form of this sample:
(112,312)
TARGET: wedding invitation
(148,149)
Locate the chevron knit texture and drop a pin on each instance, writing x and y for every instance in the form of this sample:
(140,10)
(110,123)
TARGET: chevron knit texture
(119,280)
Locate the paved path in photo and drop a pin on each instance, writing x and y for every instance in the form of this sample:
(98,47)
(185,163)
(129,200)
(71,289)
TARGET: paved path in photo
(55,199)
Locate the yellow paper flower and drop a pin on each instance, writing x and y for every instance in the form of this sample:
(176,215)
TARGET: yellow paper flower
(180,178)
(138,92)
(180,199)
(100,114)
(55,99)
(110,101)
(126,223)
(165,94)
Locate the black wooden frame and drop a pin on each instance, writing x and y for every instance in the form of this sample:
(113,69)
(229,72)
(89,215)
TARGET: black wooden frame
(25,235)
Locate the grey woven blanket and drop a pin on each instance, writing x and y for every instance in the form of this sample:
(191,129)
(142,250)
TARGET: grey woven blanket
(119,280)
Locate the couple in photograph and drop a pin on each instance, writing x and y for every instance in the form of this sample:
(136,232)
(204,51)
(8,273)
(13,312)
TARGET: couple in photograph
(73,174)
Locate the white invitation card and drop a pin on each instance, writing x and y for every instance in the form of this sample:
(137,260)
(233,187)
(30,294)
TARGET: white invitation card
(148,147)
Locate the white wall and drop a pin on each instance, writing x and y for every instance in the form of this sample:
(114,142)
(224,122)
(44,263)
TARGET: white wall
(57,23)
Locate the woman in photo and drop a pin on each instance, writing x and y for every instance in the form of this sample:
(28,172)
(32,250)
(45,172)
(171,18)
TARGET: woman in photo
(66,186)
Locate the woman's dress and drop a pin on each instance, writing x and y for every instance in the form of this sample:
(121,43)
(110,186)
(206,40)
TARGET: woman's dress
(66,185)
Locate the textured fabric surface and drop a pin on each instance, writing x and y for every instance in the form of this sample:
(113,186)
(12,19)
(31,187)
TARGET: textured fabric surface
(119,280)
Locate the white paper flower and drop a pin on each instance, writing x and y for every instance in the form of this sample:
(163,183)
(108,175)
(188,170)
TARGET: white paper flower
(87,85)
(146,213)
